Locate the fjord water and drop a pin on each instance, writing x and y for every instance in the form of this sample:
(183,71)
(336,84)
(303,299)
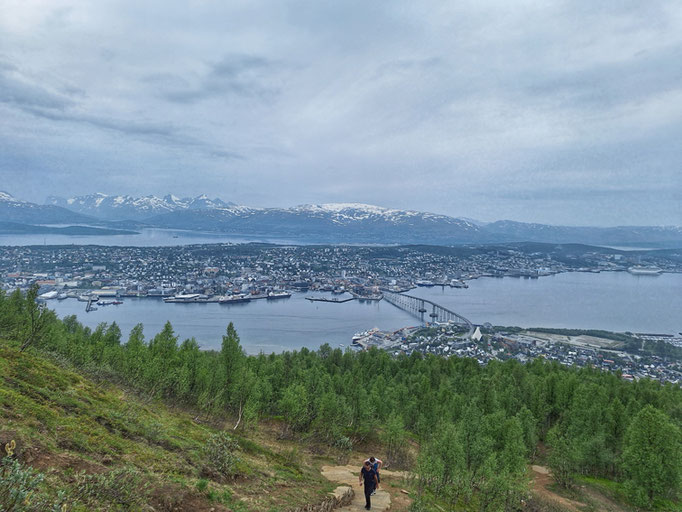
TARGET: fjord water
(615,301)
(146,237)
(263,325)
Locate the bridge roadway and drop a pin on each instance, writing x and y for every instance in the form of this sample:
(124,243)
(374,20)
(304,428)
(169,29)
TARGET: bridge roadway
(420,307)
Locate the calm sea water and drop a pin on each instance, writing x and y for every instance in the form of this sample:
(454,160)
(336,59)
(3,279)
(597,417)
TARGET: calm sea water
(150,237)
(267,326)
(614,301)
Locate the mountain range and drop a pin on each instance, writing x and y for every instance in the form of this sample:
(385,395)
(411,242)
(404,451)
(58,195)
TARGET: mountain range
(127,207)
(324,223)
(17,210)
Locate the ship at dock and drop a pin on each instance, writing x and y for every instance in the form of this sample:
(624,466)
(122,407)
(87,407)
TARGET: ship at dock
(233,299)
(278,295)
(645,271)
(186,298)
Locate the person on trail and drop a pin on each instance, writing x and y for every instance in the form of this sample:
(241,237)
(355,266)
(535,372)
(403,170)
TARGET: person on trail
(376,466)
(369,477)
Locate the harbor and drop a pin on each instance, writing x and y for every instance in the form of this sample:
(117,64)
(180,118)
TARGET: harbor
(615,301)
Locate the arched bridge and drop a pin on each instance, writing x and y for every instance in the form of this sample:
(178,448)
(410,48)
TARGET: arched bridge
(423,307)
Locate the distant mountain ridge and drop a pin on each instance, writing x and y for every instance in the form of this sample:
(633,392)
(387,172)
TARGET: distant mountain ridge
(353,223)
(329,223)
(618,235)
(18,210)
(125,207)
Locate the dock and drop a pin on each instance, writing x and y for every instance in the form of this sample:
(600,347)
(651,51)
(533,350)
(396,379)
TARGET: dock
(90,307)
(333,300)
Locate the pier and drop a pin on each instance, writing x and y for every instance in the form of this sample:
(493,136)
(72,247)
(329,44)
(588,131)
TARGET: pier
(325,299)
(89,306)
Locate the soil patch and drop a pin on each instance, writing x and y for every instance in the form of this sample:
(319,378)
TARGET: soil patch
(541,480)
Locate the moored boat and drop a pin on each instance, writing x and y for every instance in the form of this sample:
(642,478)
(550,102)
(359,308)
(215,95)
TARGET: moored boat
(187,297)
(645,271)
(233,299)
(278,295)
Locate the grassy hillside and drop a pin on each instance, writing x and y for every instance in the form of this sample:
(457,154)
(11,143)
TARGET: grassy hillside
(108,449)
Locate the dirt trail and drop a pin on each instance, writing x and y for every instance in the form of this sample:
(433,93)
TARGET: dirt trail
(541,479)
(348,477)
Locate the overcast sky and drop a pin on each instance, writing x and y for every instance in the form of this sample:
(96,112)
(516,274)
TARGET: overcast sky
(557,112)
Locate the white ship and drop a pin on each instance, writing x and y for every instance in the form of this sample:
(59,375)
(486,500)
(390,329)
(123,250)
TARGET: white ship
(645,271)
(278,295)
(233,299)
(187,297)
(364,334)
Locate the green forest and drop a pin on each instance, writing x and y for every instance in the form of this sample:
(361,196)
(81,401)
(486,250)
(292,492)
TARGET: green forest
(476,427)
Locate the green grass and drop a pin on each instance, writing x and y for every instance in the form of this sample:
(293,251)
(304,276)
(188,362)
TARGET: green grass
(616,492)
(95,440)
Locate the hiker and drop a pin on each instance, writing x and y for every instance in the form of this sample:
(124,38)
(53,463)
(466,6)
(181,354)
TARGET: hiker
(369,476)
(376,466)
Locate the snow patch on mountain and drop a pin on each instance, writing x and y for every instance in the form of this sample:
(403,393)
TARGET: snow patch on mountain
(350,212)
(9,198)
(130,207)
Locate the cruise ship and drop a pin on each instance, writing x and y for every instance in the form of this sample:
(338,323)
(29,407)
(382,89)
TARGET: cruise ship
(278,295)
(645,271)
(187,297)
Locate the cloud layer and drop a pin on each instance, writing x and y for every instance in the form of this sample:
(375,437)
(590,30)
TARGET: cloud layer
(569,112)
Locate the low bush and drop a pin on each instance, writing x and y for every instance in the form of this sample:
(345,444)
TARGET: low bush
(220,456)
(19,489)
(125,487)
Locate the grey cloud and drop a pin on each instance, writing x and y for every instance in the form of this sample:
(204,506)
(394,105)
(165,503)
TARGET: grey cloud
(246,76)
(59,104)
(226,155)
(107,123)
(533,111)
(607,85)
(233,66)
(421,65)
(18,89)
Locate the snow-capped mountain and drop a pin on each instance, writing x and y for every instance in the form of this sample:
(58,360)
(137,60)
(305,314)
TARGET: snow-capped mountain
(125,207)
(362,223)
(319,223)
(353,212)
(6,197)
(335,222)
(18,210)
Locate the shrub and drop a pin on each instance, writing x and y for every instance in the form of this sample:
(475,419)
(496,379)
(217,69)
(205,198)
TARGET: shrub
(202,485)
(126,487)
(17,484)
(220,457)
(19,489)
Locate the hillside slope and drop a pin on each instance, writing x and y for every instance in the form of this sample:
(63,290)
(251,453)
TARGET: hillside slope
(108,449)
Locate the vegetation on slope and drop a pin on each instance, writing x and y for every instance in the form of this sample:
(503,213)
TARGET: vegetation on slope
(107,449)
